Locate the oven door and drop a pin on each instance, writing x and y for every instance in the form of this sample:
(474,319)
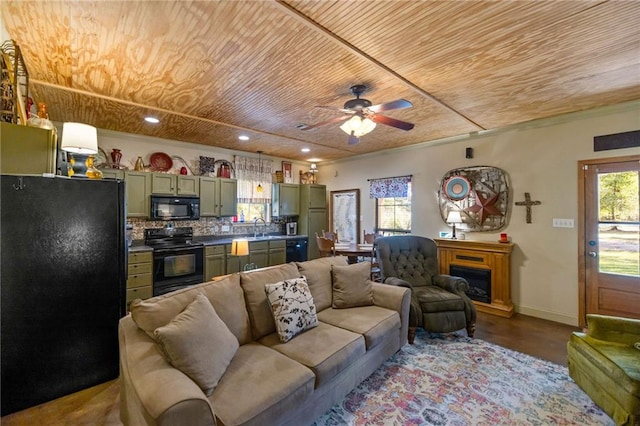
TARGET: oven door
(176,268)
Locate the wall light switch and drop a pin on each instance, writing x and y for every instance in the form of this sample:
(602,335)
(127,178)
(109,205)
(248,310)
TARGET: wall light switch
(562,223)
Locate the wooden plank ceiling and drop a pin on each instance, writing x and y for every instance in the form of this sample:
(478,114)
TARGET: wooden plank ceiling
(212,70)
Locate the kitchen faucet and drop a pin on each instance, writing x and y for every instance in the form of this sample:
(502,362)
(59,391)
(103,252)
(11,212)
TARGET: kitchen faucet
(255,226)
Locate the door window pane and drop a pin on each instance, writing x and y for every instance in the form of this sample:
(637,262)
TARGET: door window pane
(619,223)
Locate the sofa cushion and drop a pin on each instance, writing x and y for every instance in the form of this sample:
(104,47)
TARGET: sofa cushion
(375,323)
(225,295)
(248,390)
(351,285)
(252,283)
(198,343)
(292,307)
(318,273)
(325,349)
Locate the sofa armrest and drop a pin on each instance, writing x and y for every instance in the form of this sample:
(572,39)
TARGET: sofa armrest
(397,299)
(450,283)
(151,390)
(398,282)
(613,329)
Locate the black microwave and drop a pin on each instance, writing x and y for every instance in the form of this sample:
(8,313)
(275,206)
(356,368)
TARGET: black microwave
(175,208)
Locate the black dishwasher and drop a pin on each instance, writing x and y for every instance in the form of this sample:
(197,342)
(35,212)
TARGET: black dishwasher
(296,249)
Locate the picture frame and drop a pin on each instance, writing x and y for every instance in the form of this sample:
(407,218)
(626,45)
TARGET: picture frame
(287,171)
(345,215)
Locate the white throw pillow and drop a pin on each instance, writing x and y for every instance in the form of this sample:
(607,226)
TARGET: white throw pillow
(198,343)
(292,307)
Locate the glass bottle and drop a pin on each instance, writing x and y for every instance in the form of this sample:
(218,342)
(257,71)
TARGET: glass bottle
(92,172)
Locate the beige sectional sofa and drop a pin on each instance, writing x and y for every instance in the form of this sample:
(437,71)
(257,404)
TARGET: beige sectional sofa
(266,382)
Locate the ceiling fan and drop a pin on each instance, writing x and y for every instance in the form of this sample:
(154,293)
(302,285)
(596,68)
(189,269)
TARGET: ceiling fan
(363,116)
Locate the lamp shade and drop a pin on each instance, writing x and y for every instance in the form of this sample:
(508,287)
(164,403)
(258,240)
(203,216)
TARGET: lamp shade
(358,126)
(240,247)
(454,217)
(79,138)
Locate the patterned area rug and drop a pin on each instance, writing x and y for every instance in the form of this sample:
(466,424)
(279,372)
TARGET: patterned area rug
(452,380)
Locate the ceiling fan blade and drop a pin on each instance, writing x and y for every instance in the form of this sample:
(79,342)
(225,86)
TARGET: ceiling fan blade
(345,110)
(323,123)
(398,124)
(353,139)
(388,106)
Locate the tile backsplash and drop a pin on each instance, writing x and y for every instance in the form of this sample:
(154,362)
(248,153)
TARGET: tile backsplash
(205,226)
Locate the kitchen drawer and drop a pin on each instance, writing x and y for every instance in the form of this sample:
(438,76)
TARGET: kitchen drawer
(139,293)
(213,250)
(140,268)
(139,280)
(277,244)
(141,257)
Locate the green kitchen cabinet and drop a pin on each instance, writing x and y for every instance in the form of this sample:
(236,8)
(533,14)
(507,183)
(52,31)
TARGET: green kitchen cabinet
(169,184)
(313,215)
(112,174)
(137,189)
(313,196)
(259,253)
(277,252)
(27,150)
(285,199)
(218,196)
(215,263)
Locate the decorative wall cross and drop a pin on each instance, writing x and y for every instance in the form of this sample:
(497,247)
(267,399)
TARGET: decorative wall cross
(528,203)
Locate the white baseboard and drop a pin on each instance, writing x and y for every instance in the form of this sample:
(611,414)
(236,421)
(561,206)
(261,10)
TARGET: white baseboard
(551,316)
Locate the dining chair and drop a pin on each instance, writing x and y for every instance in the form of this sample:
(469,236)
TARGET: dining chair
(326,246)
(332,235)
(375,267)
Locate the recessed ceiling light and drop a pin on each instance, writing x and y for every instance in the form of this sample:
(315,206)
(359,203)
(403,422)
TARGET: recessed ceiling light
(305,149)
(243,137)
(152,120)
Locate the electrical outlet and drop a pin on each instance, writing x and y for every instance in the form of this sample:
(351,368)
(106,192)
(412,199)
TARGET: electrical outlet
(225,228)
(562,223)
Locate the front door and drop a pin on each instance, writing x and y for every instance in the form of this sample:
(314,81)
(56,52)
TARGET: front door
(610,237)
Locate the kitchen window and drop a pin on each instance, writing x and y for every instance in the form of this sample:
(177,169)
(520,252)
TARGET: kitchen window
(254,188)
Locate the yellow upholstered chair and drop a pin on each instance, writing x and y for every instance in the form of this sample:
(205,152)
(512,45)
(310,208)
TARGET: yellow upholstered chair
(605,363)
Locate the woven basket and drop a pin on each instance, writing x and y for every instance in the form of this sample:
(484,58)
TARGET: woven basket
(278,177)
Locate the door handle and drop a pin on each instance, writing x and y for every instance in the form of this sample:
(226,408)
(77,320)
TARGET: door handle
(593,254)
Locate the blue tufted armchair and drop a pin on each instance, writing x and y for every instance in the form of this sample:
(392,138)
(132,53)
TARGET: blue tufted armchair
(438,302)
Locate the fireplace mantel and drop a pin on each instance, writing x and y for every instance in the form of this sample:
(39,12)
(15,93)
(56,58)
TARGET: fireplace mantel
(484,255)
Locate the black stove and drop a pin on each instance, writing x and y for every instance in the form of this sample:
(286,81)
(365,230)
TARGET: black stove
(170,237)
(177,259)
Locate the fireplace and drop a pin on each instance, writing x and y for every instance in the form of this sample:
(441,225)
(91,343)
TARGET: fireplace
(486,266)
(479,281)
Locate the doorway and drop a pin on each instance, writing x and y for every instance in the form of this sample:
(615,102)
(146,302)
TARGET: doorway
(609,237)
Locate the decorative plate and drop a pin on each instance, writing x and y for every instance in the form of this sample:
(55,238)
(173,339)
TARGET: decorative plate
(160,161)
(456,188)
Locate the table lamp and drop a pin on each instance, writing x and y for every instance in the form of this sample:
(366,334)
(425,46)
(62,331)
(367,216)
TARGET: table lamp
(81,142)
(453,218)
(240,247)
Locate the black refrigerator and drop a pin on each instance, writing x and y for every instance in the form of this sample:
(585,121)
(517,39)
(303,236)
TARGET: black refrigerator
(62,286)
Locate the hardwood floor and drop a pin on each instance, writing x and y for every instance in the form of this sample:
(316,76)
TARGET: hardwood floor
(100,404)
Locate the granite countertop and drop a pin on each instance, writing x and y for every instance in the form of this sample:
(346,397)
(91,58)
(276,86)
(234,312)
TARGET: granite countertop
(213,240)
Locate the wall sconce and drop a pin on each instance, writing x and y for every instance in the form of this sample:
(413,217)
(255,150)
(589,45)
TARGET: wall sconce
(454,217)
(358,126)
(81,142)
(240,247)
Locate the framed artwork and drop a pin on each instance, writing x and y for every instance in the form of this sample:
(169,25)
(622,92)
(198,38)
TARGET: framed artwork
(286,171)
(345,215)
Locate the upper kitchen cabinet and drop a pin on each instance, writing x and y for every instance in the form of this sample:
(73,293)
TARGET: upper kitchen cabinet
(313,196)
(27,150)
(137,189)
(169,184)
(285,200)
(218,196)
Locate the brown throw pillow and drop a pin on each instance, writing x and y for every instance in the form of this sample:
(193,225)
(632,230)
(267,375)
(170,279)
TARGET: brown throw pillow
(351,285)
(198,343)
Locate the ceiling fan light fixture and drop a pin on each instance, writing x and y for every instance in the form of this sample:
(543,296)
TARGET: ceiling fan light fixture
(358,126)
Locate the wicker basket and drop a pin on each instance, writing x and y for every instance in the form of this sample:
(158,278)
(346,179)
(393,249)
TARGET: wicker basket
(278,177)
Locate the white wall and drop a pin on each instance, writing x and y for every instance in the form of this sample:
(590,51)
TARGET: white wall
(539,158)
